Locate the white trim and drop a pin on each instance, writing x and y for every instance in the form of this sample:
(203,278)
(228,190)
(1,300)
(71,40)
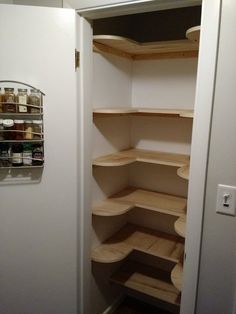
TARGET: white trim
(132,7)
(199,152)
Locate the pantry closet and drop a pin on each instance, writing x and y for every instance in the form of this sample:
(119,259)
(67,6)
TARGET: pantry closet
(144,77)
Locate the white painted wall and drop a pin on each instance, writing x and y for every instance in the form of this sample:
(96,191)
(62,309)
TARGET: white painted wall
(168,83)
(38,220)
(217,282)
(42,3)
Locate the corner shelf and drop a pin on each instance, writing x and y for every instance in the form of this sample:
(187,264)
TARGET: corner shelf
(183,172)
(148,281)
(172,113)
(129,198)
(177,276)
(193,34)
(132,155)
(180,226)
(132,237)
(128,48)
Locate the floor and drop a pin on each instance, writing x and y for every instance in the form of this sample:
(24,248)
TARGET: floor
(133,306)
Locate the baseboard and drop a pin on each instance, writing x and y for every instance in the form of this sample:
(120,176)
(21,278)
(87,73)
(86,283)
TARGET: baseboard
(111,309)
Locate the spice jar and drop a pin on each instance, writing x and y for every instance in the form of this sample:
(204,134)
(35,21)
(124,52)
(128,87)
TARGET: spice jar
(37,128)
(35,101)
(4,155)
(9,100)
(22,98)
(1,129)
(37,155)
(8,125)
(28,135)
(27,154)
(19,127)
(17,155)
(1,100)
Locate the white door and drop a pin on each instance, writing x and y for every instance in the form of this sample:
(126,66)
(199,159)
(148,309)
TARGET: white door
(38,210)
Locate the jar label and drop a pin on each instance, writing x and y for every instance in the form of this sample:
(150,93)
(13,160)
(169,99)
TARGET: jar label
(22,100)
(27,158)
(17,158)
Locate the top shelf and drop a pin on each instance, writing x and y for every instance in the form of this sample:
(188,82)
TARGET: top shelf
(127,48)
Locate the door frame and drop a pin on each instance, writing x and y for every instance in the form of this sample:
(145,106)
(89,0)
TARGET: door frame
(200,139)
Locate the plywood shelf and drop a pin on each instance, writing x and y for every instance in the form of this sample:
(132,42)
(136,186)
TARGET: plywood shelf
(132,237)
(172,113)
(148,281)
(129,198)
(183,172)
(193,34)
(180,226)
(177,276)
(127,48)
(140,155)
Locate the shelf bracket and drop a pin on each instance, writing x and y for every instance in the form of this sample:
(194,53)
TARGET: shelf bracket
(77,59)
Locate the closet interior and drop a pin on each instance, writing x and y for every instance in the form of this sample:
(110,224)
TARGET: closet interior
(145,68)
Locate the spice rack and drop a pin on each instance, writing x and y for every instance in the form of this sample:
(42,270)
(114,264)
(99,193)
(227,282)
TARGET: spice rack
(21,126)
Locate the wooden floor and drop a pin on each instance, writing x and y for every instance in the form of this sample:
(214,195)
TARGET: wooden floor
(133,306)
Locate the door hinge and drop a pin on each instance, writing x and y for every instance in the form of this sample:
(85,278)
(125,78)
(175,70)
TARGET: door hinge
(77,59)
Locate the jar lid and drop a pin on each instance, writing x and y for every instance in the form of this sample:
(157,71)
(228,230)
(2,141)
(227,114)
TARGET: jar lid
(9,89)
(22,90)
(8,122)
(28,121)
(19,121)
(34,90)
(38,121)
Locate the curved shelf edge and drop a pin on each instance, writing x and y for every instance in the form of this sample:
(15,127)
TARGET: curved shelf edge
(183,172)
(130,198)
(132,237)
(193,33)
(180,226)
(123,111)
(132,155)
(177,276)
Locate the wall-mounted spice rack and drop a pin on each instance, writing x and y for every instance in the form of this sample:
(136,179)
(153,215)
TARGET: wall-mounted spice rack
(21,126)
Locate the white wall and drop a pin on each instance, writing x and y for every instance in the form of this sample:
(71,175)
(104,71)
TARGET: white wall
(217,282)
(43,3)
(38,218)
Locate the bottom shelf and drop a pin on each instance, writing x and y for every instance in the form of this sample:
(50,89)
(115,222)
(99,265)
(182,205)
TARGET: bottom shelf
(147,280)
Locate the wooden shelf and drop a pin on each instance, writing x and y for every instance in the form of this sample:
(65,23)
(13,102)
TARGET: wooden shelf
(177,276)
(129,198)
(193,34)
(183,172)
(127,48)
(132,155)
(107,112)
(180,226)
(148,281)
(132,237)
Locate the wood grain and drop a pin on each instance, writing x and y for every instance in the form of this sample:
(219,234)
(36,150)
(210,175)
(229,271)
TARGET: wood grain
(132,237)
(132,155)
(147,280)
(128,48)
(129,198)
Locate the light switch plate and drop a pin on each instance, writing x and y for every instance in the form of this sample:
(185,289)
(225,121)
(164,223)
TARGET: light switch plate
(226,200)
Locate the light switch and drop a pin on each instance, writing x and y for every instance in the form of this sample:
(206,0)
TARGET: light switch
(226,200)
